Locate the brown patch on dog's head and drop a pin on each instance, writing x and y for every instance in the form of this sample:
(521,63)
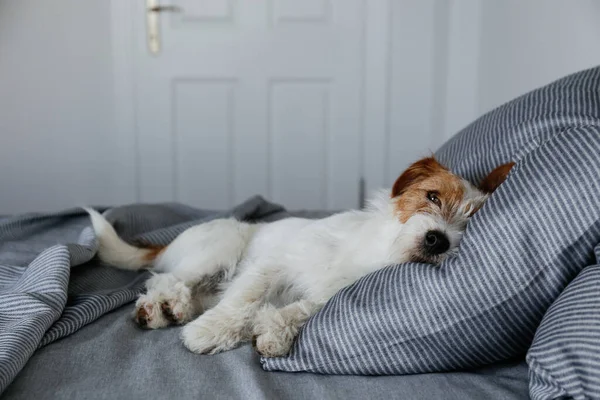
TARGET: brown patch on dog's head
(495,178)
(418,171)
(427,187)
(434,206)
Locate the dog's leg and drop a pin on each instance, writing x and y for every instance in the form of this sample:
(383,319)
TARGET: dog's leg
(196,264)
(276,328)
(229,323)
(175,299)
(207,254)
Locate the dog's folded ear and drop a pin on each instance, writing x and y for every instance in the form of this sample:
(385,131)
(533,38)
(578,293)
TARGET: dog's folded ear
(495,178)
(418,171)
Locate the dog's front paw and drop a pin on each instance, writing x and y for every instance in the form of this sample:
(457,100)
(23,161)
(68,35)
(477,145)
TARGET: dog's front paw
(211,334)
(273,334)
(271,345)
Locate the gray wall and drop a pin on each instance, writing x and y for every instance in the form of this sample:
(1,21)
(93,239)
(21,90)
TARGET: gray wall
(56,106)
(451,61)
(527,43)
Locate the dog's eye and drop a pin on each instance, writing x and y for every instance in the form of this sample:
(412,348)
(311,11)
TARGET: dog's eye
(432,197)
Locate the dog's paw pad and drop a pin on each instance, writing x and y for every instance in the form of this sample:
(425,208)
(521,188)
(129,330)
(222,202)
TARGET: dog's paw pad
(176,312)
(148,314)
(168,311)
(143,315)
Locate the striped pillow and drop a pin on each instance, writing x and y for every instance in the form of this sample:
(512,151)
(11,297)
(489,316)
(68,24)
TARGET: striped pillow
(532,237)
(564,359)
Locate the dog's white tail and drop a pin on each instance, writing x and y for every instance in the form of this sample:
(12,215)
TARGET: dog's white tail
(115,251)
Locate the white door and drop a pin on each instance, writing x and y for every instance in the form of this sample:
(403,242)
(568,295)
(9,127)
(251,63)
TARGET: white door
(251,97)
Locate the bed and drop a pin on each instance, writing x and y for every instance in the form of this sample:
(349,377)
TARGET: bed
(111,358)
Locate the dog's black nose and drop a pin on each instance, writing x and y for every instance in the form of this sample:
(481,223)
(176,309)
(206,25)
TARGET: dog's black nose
(436,242)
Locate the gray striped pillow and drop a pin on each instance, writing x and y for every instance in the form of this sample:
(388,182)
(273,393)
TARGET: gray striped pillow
(564,359)
(519,252)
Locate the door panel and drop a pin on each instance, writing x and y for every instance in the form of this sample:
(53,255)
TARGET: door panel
(299,129)
(203,155)
(246,98)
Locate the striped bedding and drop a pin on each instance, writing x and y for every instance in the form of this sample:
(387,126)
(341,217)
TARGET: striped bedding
(533,237)
(50,290)
(564,359)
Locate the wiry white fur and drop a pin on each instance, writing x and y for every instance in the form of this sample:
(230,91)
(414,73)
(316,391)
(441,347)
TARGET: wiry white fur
(275,275)
(206,249)
(112,249)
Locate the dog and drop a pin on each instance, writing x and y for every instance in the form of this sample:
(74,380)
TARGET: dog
(231,282)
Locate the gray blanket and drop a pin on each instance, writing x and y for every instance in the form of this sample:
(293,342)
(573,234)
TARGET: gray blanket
(50,286)
(112,359)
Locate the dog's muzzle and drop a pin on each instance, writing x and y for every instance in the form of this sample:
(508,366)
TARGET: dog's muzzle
(435,243)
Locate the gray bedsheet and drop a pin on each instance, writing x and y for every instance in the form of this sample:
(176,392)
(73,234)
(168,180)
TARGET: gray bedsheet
(50,284)
(113,359)
(71,310)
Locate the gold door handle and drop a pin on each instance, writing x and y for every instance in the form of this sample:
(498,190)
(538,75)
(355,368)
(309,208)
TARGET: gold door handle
(152,24)
(164,8)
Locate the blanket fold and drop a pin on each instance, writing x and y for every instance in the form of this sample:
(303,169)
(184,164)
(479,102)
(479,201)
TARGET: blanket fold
(51,285)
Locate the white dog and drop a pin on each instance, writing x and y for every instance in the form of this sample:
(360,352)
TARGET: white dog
(263,281)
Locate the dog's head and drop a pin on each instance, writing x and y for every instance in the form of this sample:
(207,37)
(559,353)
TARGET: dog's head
(434,206)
